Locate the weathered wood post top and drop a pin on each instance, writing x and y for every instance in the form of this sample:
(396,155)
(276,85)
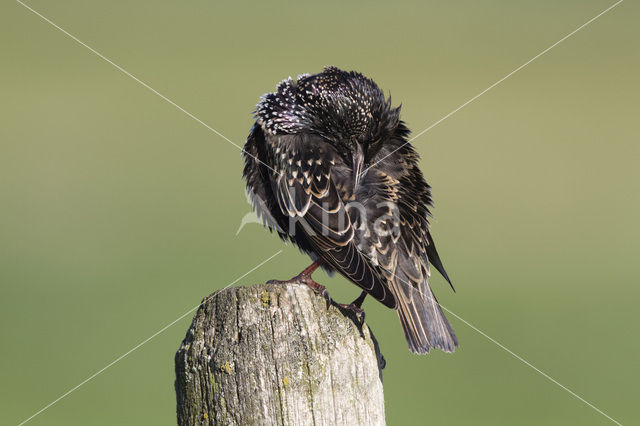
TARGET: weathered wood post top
(277,354)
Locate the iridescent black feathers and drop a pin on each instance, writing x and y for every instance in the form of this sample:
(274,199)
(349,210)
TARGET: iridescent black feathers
(316,164)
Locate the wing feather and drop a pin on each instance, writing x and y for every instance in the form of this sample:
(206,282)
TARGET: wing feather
(305,191)
(403,258)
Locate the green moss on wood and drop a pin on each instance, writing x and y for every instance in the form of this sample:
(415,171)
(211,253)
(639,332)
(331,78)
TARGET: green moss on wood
(226,368)
(265,298)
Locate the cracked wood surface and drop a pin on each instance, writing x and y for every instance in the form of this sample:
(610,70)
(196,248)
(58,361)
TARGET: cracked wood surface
(275,354)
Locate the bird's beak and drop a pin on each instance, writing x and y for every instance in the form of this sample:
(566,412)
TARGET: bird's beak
(358,162)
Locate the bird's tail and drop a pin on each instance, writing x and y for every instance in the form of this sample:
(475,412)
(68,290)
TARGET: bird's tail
(423,321)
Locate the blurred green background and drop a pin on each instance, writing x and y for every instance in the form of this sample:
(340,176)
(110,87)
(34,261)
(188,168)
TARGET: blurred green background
(119,212)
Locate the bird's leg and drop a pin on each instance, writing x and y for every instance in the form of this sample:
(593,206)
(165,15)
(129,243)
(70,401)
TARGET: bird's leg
(305,278)
(358,302)
(356,305)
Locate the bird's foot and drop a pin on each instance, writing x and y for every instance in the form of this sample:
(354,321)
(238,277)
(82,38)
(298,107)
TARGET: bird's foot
(305,278)
(353,308)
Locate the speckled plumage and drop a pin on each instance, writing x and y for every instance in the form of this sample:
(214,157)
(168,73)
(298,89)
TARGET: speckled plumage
(311,171)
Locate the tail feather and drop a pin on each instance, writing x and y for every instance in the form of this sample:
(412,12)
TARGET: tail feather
(425,325)
(434,259)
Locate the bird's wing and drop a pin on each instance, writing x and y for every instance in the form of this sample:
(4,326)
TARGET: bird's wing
(403,256)
(303,186)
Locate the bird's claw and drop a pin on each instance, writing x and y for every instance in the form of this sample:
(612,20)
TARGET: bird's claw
(306,279)
(325,294)
(353,308)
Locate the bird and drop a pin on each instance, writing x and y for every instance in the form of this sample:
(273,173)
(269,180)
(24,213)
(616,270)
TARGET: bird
(329,167)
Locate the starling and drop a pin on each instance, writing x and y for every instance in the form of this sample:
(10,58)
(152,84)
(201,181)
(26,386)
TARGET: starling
(328,166)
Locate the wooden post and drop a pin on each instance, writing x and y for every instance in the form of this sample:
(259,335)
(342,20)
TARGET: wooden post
(277,354)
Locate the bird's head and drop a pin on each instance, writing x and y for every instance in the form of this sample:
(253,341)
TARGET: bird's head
(346,109)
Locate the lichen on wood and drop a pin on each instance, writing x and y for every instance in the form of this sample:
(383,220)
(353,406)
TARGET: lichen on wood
(277,354)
